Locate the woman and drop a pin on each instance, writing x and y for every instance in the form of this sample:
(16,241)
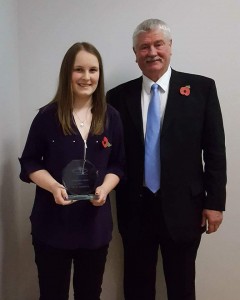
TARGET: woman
(76,125)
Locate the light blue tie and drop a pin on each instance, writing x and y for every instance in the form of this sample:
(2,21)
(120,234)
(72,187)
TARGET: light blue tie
(152,141)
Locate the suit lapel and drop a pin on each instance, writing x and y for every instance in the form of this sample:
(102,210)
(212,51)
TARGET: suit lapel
(133,104)
(174,101)
(173,107)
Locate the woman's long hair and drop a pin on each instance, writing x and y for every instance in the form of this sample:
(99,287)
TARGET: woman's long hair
(64,94)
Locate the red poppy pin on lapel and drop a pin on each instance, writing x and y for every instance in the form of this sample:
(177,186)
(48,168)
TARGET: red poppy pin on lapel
(185,90)
(105,142)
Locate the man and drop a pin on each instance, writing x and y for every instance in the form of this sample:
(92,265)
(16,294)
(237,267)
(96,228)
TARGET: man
(189,193)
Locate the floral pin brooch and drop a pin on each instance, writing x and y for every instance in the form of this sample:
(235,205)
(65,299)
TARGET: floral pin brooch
(105,142)
(185,90)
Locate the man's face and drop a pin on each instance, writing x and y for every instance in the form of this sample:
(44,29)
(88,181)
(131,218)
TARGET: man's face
(153,52)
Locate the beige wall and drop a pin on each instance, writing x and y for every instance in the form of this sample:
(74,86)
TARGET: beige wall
(34,36)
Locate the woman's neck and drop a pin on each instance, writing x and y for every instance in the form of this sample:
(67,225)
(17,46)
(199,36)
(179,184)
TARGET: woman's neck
(80,104)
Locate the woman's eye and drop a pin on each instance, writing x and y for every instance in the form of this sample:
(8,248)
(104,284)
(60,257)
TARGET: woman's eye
(77,70)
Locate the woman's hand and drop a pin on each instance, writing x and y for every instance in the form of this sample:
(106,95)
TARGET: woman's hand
(45,180)
(109,183)
(102,196)
(60,194)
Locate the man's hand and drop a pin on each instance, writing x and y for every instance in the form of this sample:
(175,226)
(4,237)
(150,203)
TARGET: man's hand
(212,219)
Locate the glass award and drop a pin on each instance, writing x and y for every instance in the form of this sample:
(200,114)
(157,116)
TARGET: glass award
(79,178)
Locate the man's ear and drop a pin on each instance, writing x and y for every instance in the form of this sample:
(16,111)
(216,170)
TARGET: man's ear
(170,43)
(135,54)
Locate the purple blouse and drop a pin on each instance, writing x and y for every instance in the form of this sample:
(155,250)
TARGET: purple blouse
(80,225)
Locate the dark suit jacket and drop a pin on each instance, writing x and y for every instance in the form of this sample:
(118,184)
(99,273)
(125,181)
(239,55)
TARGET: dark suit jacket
(193,160)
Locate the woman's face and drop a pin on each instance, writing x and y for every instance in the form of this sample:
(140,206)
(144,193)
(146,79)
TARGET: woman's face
(85,75)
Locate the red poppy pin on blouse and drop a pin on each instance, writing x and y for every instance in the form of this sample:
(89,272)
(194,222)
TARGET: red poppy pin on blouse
(105,142)
(185,90)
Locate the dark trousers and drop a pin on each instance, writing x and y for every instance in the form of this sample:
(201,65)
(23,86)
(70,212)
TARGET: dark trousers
(54,272)
(141,255)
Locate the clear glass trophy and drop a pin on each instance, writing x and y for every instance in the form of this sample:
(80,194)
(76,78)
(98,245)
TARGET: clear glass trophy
(79,178)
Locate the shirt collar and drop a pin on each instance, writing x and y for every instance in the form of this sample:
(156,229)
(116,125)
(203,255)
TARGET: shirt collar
(163,81)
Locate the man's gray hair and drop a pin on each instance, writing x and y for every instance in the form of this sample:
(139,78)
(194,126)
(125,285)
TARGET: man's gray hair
(151,24)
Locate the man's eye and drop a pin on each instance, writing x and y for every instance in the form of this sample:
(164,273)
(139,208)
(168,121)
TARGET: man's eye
(158,45)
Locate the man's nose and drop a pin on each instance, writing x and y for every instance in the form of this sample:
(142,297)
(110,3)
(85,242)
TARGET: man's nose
(152,51)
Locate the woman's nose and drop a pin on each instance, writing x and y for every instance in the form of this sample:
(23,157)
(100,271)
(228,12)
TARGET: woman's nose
(86,75)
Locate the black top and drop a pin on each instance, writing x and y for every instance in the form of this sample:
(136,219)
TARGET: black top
(80,225)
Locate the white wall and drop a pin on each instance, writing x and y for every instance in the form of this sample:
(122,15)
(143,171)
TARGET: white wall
(34,36)
(9,149)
